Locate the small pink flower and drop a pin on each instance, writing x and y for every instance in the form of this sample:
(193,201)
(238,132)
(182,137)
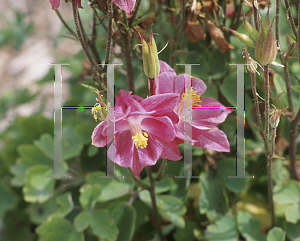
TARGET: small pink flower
(206,112)
(144,130)
(126,5)
(55,4)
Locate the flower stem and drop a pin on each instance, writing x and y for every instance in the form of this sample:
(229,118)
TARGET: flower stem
(161,169)
(266,136)
(253,82)
(138,4)
(109,33)
(65,24)
(153,200)
(137,180)
(255,11)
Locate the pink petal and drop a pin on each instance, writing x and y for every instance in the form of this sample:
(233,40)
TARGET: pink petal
(55,4)
(78,3)
(214,140)
(159,126)
(126,5)
(164,67)
(129,101)
(148,156)
(163,103)
(170,150)
(99,135)
(165,82)
(123,149)
(197,84)
(214,113)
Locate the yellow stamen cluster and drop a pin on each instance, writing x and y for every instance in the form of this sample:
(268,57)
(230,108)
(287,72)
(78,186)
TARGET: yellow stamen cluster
(140,139)
(99,112)
(192,96)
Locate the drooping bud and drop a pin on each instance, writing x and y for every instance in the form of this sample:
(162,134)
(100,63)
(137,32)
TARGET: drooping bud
(150,57)
(253,33)
(243,37)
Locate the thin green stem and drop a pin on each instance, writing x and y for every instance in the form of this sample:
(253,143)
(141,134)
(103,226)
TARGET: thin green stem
(154,206)
(267,107)
(282,59)
(137,6)
(109,33)
(290,17)
(137,180)
(65,24)
(161,169)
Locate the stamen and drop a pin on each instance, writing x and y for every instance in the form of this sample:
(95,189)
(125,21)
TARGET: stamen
(140,139)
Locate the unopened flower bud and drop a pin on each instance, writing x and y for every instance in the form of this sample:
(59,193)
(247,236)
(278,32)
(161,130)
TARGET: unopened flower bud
(150,57)
(265,50)
(243,37)
(251,64)
(253,33)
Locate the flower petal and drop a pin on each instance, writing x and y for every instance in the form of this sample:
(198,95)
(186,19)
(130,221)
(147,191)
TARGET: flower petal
(159,126)
(211,113)
(170,150)
(214,139)
(165,82)
(126,5)
(197,84)
(161,104)
(99,135)
(130,101)
(55,4)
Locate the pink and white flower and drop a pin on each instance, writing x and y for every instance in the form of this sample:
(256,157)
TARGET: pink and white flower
(206,112)
(144,130)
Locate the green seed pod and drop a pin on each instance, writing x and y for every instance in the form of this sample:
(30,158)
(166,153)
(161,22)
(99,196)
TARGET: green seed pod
(252,32)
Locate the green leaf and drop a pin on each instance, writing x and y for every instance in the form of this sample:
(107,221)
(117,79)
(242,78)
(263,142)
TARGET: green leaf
(170,207)
(187,233)
(292,213)
(296,88)
(92,150)
(103,225)
(125,219)
(213,201)
(280,87)
(38,123)
(82,221)
(289,193)
(90,85)
(84,131)
(39,212)
(211,91)
(69,149)
(8,198)
(227,168)
(29,156)
(37,187)
(89,194)
(164,185)
(65,205)
(228,88)
(111,187)
(223,230)
(249,227)
(276,234)
(58,229)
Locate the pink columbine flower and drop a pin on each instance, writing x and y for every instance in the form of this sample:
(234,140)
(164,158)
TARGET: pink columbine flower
(206,113)
(126,5)
(144,130)
(55,4)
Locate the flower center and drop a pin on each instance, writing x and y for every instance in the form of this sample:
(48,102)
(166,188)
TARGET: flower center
(187,100)
(140,139)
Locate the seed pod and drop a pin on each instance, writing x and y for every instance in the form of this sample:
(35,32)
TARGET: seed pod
(253,33)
